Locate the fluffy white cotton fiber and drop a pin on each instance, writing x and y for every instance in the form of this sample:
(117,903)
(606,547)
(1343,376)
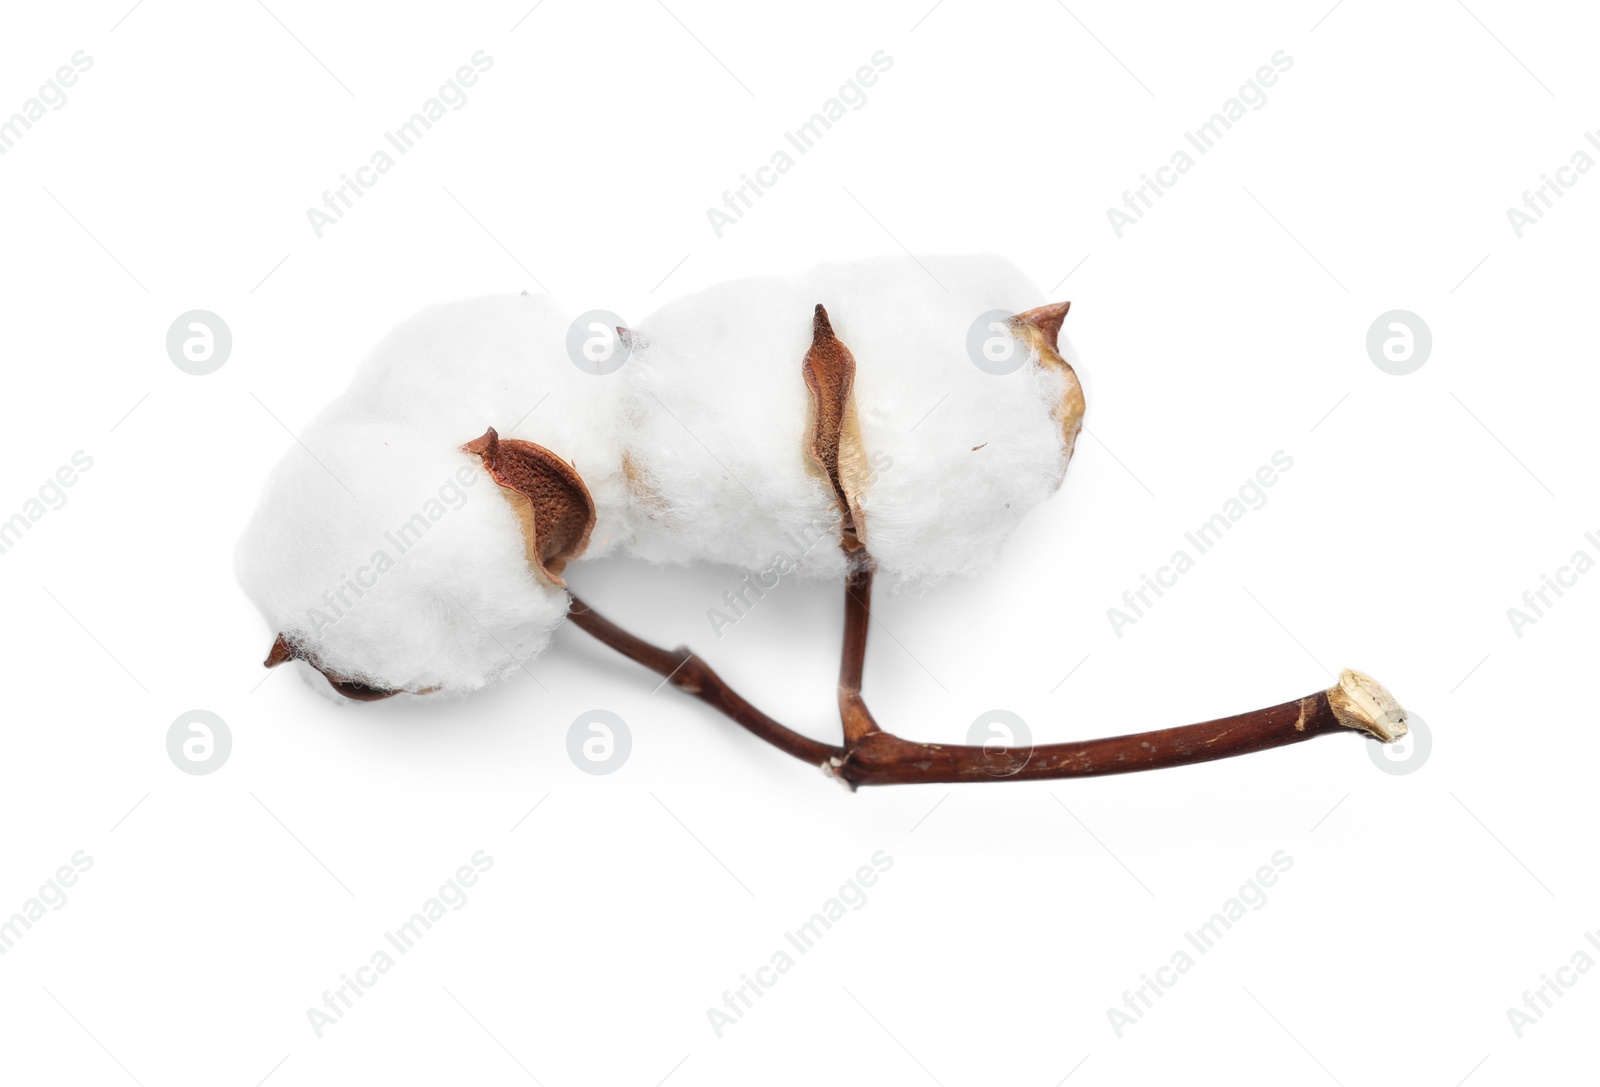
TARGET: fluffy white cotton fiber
(388,556)
(717,428)
(454,370)
(960,454)
(719,420)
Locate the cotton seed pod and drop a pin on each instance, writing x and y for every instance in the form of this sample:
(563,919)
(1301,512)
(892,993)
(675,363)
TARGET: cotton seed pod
(715,444)
(398,550)
(800,417)
(387,582)
(751,426)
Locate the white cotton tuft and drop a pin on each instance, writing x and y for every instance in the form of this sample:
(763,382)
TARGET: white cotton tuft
(392,560)
(955,456)
(717,430)
(388,556)
(959,455)
(455,370)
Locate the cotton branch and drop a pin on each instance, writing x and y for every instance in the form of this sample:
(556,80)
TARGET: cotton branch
(873,757)
(853,713)
(380,648)
(688,672)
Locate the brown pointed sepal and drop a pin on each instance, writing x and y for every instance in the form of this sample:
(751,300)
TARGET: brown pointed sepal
(549,497)
(283,650)
(1047,319)
(834,436)
(1040,330)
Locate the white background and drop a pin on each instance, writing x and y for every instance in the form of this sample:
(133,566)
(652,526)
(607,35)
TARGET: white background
(1227,324)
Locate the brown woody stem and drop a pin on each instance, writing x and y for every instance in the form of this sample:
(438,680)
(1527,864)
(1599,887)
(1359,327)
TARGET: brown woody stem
(688,672)
(853,712)
(884,759)
(873,757)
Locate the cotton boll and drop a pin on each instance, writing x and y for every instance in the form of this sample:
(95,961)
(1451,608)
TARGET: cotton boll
(413,578)
(959,455)
(389,557)
(393,560)
(717,431)
(501,361)
(950,457)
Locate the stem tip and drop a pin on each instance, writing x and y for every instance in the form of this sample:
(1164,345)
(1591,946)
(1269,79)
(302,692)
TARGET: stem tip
(1362,703)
